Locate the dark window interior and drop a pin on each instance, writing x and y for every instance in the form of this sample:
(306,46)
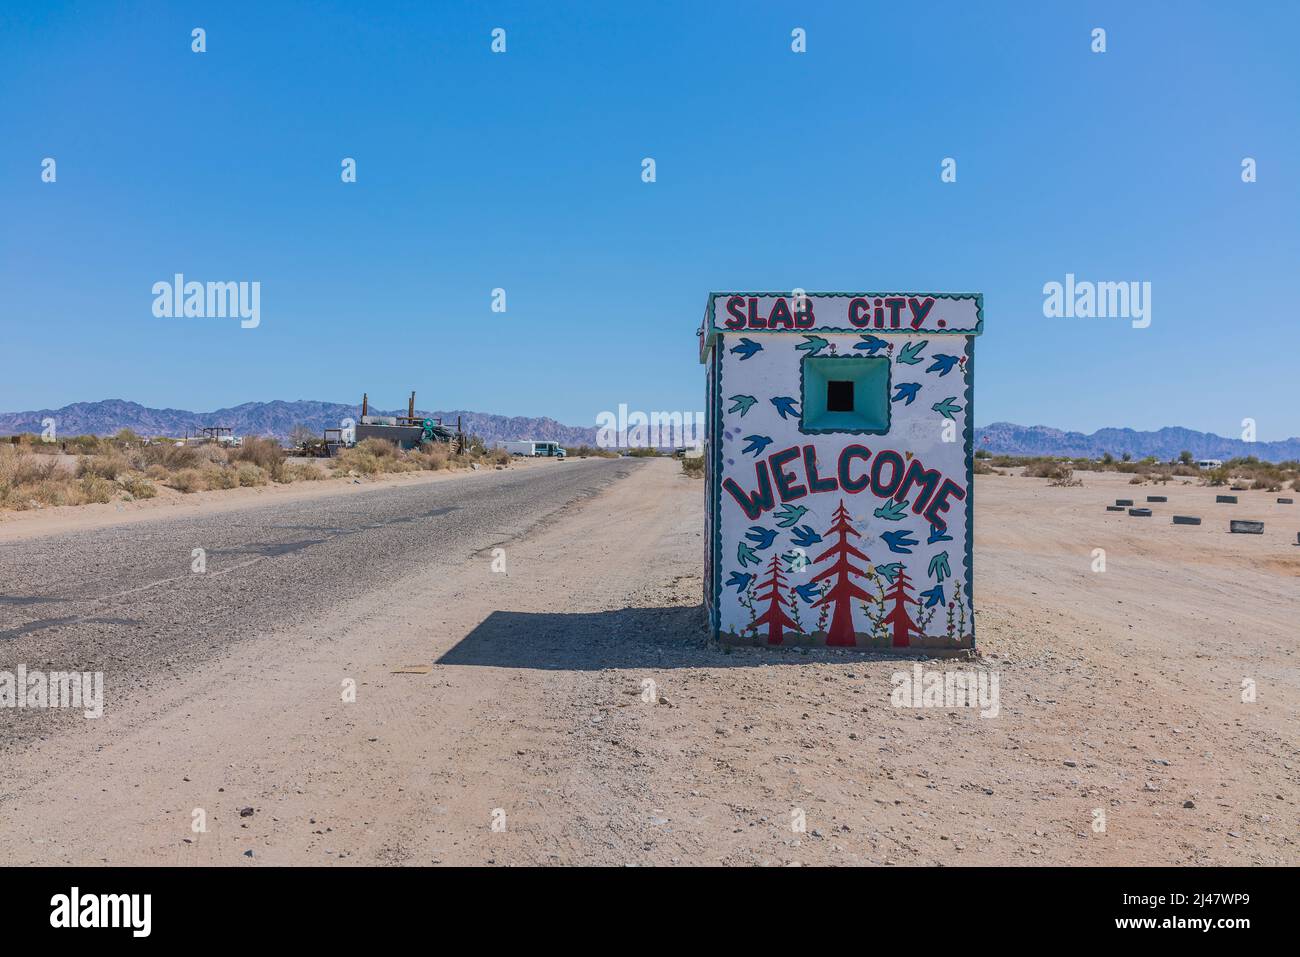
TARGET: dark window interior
(839,396)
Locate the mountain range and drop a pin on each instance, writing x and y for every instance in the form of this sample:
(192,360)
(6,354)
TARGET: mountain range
(278,419)
(1006,438)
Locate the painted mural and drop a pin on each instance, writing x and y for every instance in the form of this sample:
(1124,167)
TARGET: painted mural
(839,473)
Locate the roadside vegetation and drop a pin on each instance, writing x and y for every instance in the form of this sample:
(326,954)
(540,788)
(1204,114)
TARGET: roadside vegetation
(591,452)
(1241,473)
(376,456)
(88,469)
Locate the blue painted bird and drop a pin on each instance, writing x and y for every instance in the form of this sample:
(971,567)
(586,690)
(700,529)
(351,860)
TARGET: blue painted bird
(757,443)
(740,580)
(871,344)
(745,555)
(761,537)
(907,391)
(947,408)
(812,345)
(743,404)
(933,596)
(890,571)
(789,515)
(809,592)
(942,363)
(939,569)
(746,348)
(899,541)
(937,535)
(803,536)
(785,406)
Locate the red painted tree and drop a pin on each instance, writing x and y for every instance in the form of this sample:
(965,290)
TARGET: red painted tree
(844,589)
(775,617)
(903,625)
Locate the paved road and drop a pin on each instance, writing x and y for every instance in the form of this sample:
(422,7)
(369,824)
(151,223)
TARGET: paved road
(124,600)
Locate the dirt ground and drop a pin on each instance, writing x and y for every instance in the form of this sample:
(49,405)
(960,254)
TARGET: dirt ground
(528,734)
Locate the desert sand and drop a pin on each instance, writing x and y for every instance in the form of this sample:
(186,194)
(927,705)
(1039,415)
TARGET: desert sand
(526,733)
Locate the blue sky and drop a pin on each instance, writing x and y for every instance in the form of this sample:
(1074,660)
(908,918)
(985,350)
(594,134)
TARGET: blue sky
(522,171)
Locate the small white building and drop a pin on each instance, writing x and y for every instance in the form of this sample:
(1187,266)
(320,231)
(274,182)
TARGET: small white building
(838,468)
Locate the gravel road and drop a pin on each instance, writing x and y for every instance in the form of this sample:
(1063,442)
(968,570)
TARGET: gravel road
(126,600)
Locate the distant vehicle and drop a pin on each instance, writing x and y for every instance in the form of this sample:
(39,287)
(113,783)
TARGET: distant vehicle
(534,449)
(1208,464)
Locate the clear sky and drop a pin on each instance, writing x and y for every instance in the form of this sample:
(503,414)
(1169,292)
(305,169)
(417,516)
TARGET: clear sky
(522,170)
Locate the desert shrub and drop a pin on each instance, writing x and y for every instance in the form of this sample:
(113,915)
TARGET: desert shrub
(187,480)
(693,466)
(302,472)
(647,452)
(432,458)
(20,467)
(171,457)
(1048,469)
(137,486)
(1065,478)
(218,477)
(211,454)
(588,451)
(356,460)
(78,445)
(1137,480)
(247,474)
(264,453)
(380,448)
(982,467)
(96,488)
(108,465)
(27,479)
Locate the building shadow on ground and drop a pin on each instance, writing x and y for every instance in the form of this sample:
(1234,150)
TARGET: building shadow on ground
(668,637)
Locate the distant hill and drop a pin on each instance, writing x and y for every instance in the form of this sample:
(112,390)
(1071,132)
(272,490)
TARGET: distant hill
(273,419)
(1006,438)
(278,418)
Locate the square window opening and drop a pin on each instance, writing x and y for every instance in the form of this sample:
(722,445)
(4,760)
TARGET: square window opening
(845,394)
(839,395)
